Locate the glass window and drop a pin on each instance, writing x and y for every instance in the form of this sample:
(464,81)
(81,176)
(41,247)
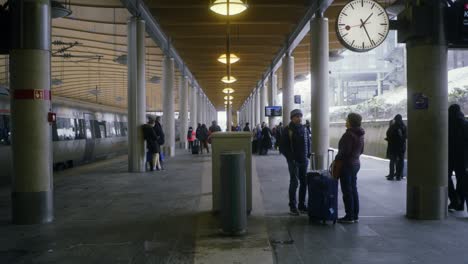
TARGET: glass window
(5,130)
(89,127)
(123,129)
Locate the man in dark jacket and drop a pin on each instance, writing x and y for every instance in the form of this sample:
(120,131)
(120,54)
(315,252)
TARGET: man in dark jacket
(456,158)
(396,137)
(295,146)
(266,139)
(278,135)
(350,148)
(151,142)
(214,127)
(247,128)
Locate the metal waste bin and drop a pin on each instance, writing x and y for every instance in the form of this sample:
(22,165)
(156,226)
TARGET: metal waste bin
(233,193)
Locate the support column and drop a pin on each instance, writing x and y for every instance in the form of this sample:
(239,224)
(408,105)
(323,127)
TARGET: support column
(272,93)
(168,107)
(258,119)
(340,93)
(193,107)
(263,102)
(379,83)
(252,110)
(288,88)
(200,107)
(32,189)
(136,94)
(428,163)
(183,111)
(319,89)
(229,117)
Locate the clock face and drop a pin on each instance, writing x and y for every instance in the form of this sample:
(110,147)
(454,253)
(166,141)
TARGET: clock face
(362,25)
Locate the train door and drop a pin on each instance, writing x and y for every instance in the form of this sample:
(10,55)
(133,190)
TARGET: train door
(89,136)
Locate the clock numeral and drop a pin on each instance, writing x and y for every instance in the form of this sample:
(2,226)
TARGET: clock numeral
(344,35)
(381,14)
(372,42)
(383,24)
(372,6)
(352,6)
(363,45)
(352,43)
(344,14)
(381,34)
(362,3)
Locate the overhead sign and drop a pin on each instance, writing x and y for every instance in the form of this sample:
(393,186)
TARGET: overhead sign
(420,101)
(457,24)
(297,99)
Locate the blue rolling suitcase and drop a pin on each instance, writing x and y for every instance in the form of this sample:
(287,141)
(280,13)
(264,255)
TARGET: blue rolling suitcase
(322,204)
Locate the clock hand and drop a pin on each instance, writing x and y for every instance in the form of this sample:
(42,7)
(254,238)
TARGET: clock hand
(365,21)
(367,33)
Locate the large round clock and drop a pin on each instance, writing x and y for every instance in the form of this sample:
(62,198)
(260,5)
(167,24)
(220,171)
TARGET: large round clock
(362,25)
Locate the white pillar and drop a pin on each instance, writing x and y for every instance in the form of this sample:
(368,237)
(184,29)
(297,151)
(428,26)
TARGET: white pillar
(136,94)
(183,111)
(168,106)
(428,123)
(263,102)
(258,119)
(288,88)
(31,149)
(319,90)
(379,83)
(252,110)
(200,107)
(272,94)
(193,106)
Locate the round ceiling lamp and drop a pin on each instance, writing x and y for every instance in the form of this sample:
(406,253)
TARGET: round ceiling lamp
(228,90)
(221,6)
(230,79)
(223,58)
(59,10)
(226,102)
(228,98)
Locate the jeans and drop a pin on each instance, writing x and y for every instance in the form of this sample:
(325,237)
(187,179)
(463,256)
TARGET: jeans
(456,194)
(297,174)
(398,161)
(348,182)
(190,145)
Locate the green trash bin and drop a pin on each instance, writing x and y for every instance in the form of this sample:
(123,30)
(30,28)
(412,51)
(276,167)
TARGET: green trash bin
(233,193)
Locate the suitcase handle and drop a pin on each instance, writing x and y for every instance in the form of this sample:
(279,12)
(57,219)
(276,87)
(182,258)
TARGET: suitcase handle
(312,158)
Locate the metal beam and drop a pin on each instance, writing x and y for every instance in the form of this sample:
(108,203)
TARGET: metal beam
(297,35)
(154,30)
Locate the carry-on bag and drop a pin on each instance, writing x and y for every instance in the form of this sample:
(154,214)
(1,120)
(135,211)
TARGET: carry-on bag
(322,202)
(196,147)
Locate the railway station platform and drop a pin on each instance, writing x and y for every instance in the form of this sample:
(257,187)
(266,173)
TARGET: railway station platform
(103,214)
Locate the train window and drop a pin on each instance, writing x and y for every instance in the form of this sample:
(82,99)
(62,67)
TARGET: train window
(5,130)
(79,128)
(54,132)
(117,129)
(110,129)
(65,129)
(88,126)
(100,129)
(123,129)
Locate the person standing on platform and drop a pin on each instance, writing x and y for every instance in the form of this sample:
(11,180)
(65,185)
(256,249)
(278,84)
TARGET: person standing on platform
(295,146)
(278,135)
(456,150)
(203,137)
(247,128)
(396,137)
(350,148)
(160,140)
(152,146)
(190,138)
(266,139)
(214,127)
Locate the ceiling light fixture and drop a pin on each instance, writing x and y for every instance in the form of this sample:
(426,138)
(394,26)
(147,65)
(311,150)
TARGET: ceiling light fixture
(228,90)
(229,98)
(122,59)
(221,7)
(226,102)
(56,82)
(155,79)
(233,58)
(230,79)
(59,10)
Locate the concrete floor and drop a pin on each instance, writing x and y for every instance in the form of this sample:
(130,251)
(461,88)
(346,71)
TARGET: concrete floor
(107,215)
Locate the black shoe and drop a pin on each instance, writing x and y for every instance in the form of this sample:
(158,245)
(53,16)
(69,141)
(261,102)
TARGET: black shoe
(452,207)
(346,220)
(390,178)
(294,212)
(303,210)
(356,220)
(398,178)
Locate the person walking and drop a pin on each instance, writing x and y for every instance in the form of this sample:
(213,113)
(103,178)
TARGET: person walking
(160,140)
(215,127)
(456,158)
(350,148)
(295,146)
(396,137)
(190,138)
